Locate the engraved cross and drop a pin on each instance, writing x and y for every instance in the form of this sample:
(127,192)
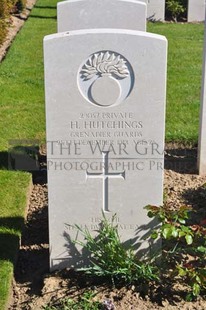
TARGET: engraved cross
(105,175)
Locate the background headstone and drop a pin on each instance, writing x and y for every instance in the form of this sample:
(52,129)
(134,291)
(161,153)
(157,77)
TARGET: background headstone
(155,9)
(202,127)
(105,94)
(196,10)
(87,14)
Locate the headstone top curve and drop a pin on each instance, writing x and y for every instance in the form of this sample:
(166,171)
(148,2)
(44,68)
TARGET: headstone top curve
(73,1)
(105,31)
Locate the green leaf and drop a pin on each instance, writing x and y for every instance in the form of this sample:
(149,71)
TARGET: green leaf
(185,229)
(196,289)
(189,239)
(197,278)
(181,233)
(189,297)
(174,232)
(201,249)
(154,235)
(181,271)
(182,221)
(166,232)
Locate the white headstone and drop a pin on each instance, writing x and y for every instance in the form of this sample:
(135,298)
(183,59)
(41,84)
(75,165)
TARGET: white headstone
(202,126)
(196,10)
(87,14)
(155,9)
(105,109)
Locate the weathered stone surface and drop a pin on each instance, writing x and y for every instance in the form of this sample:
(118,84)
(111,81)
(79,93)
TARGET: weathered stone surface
(155,9)
(105,110)
(87,14)
(202,127)
(196,10)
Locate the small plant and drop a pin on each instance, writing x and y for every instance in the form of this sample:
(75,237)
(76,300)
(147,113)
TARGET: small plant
(175,8)
(3,30)
(186,246)
(20,5)
(6,7)
(109,258)
(85,302)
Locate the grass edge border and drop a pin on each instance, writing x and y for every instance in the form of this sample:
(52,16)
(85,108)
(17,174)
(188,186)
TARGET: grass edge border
(29,189)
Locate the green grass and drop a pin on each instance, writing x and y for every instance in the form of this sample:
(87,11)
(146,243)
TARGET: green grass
(21,117)
(21,78)
(185,48)
(22,109)
(13,197)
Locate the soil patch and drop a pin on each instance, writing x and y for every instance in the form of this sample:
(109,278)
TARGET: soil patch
(34,286)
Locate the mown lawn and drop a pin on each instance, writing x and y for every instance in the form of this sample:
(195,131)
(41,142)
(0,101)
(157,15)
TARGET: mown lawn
(22,113)
(14,188)
(185,48)
(21,117)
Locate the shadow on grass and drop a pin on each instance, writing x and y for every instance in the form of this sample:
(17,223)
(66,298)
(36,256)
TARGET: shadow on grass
(3,160)
(41,14)
(9,228)
(44,7)
(26,158)
(9,253)
(42,17)
(52,7)
(15,161)
(15,223)
(20,156)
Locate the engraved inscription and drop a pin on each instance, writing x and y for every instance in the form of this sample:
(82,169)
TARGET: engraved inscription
(105,79)
(105,125)
(105,63)
(105,175)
